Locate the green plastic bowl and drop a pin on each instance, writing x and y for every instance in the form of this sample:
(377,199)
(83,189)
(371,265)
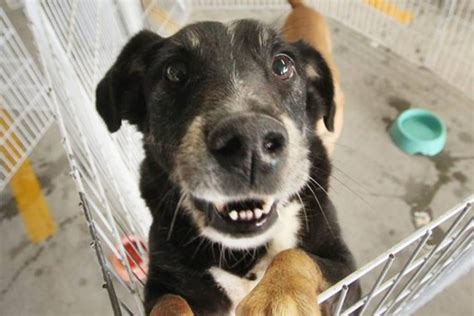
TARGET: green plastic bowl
(419,131)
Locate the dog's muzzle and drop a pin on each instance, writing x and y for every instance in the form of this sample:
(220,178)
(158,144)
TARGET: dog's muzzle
(250,150)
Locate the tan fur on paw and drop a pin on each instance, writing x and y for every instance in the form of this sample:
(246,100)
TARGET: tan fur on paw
(289,287)
(171,305)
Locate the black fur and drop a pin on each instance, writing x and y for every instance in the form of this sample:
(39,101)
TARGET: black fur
(134,90)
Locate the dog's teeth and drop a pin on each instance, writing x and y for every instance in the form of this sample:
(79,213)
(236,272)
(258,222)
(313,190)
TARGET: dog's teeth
(243,215)
(233,215)
(266,210)
(258,213)
(249,215)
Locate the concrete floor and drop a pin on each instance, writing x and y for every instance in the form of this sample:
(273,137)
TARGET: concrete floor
(376,187)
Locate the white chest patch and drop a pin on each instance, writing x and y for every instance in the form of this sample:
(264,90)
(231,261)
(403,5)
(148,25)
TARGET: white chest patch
(286,237)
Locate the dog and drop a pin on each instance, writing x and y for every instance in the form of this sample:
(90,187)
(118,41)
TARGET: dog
(236,172)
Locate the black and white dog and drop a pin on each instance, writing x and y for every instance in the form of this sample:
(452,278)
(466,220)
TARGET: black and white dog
(235,174)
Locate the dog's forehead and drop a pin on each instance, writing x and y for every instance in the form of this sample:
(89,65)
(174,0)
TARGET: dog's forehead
(208,37)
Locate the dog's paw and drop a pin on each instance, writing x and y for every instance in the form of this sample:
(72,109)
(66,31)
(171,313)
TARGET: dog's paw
(171,305)
(267,300)
(289,287)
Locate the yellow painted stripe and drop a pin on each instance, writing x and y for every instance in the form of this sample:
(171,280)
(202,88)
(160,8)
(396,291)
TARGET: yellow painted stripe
(26,188)
(32,204)
(404,16)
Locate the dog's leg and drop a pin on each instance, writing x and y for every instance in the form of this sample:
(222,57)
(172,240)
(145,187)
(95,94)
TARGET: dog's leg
(290,286)
(171,305)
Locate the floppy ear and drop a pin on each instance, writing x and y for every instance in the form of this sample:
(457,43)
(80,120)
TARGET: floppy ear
(120,94)
(320,85)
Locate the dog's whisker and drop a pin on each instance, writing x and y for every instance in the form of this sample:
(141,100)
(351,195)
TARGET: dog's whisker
(198,247)
(319,185)
(332,176)
(191,240)
(175,214)
(165,196)
(304,212)
(355,193)
(322,211)
(220,254)
(254,254)
(338,169)
(212,250)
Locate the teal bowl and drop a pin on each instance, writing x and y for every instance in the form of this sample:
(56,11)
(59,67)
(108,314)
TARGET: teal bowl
(419,131)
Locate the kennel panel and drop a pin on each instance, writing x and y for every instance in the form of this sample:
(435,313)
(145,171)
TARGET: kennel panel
(78,41)
(25,107)
(407,275)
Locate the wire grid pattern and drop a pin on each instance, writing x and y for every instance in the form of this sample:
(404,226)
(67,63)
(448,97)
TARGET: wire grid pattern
(401,278)
(25,107)
(435,34)
(78,41)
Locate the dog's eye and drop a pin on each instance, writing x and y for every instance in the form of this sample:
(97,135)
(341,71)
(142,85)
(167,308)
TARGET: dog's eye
(176,72)
(283,66)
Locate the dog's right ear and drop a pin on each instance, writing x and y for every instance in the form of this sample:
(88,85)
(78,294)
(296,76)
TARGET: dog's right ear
(120,94)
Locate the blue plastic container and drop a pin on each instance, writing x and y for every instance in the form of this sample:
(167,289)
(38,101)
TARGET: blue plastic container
(419,131)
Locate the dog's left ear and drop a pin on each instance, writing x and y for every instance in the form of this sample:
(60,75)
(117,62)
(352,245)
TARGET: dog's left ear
(319,85)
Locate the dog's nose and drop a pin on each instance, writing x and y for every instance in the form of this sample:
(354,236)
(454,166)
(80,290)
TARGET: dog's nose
(250,145)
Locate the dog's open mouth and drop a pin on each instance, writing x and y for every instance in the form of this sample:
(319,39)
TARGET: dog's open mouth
(241,217)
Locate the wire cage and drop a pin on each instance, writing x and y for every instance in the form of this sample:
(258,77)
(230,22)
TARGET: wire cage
(25,110)
(78,40)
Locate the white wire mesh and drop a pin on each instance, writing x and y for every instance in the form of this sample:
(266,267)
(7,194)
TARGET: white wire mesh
(397,282)
(78,41)
(25,108)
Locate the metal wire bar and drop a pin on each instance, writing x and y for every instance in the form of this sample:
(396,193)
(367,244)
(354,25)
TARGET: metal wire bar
(416,287)
(453,226)
(460,208)
(402,296)
(33,13)
(342,298)
(379,280)
(100,256)
(427,283)
(462,248)
(397,280)
(448,253)
(25,113)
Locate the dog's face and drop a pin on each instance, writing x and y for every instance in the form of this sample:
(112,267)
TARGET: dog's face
(228,112)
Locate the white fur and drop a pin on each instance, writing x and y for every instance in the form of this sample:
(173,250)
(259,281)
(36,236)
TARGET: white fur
(193,39)
(234,286)
(284,235)
(311,72)
(232,242)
